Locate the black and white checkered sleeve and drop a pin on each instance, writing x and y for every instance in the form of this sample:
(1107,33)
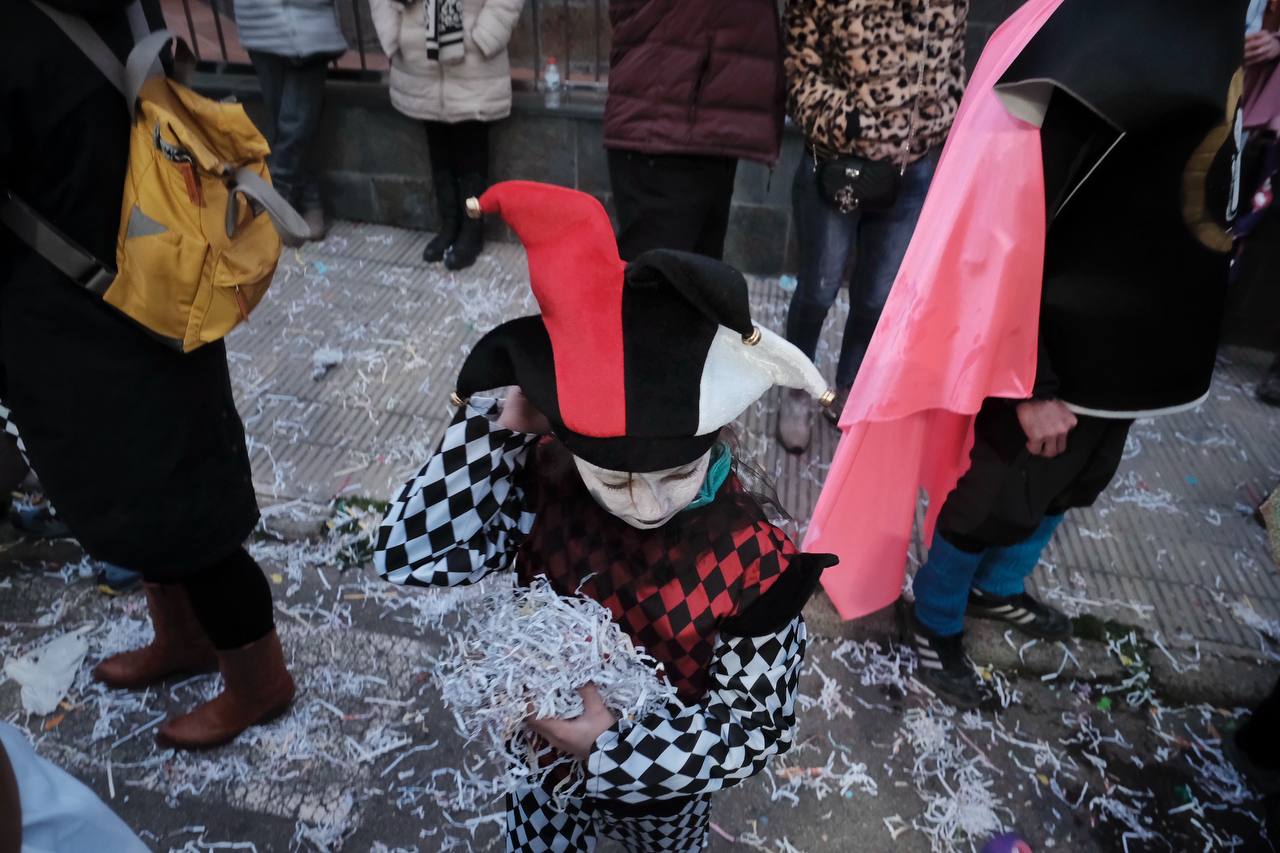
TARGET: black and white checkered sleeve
(747,718)
(10,429)
(464,514)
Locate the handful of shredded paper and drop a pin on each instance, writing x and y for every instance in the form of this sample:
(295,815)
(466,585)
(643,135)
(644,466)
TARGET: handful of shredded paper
(524,652)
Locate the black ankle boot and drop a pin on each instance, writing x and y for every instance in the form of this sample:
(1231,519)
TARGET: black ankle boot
(450,208)
(470,242)
(942,665)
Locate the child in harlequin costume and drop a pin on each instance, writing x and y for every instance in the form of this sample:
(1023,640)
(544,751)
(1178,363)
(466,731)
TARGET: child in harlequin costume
(606,473)
(1068,275)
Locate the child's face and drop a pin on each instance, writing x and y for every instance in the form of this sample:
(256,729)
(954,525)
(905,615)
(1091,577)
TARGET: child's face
(645,501)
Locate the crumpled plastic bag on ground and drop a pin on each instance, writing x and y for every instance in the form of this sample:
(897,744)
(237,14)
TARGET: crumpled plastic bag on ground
(46,673)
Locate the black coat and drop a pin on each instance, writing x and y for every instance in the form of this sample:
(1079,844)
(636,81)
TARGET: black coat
(1138,160)
(139,447)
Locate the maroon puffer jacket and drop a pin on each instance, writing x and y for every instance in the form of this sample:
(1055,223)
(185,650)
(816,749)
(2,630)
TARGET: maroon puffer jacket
(696,77)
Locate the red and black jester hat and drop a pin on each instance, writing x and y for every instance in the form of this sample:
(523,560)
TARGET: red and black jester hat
(636,366)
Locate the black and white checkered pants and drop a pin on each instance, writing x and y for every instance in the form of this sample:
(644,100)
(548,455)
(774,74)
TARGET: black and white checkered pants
(535,824)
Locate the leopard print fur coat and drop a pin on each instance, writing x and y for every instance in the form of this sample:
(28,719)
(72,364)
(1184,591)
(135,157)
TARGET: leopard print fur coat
(857,69)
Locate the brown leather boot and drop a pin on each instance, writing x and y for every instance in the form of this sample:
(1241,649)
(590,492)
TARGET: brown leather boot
(180,645)
(257,689)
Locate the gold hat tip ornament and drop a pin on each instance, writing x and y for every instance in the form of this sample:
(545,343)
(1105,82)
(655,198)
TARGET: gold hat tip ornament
(828,397)
(456,400)
(473,208)
(753,338)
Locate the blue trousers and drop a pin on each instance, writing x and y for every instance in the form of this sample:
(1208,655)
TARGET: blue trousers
(942,584)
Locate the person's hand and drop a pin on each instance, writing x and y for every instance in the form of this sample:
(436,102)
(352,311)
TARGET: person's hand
(1046,424)
(576,736)
(1261,47)
(520,415)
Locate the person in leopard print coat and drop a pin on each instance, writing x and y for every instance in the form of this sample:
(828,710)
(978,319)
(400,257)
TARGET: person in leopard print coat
(879,79)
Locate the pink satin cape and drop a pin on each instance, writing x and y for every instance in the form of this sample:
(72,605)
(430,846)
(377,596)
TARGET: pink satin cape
(960,325)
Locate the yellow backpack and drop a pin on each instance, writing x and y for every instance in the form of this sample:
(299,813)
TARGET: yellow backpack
(195,252)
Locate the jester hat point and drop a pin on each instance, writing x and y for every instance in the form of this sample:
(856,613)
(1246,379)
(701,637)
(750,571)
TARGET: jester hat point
(637,366)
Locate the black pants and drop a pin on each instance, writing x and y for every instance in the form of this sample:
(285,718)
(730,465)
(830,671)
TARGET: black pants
(1007,491)
(231,597)
(668,201)
(461,148)
(232,600)
(1257,737)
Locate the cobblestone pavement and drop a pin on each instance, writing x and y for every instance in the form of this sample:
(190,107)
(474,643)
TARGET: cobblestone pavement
(1107,742)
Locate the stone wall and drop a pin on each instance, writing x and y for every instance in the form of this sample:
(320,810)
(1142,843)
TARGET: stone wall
(375,166)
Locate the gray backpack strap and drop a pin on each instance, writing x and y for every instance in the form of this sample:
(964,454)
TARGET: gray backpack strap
(40,235)
(44,238)
(141,28)
(286,220)
(138,23)
(90,43)
(143,60)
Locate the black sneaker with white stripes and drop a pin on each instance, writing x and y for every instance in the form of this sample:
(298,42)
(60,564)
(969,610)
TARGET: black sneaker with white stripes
(943,667)
(1023,612)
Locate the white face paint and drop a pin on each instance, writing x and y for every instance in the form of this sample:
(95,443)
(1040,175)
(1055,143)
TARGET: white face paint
(645,501)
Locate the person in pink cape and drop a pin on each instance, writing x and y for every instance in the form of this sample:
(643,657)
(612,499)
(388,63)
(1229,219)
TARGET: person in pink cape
(1067,275)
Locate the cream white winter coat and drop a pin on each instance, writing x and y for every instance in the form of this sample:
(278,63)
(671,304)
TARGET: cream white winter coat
(478,88)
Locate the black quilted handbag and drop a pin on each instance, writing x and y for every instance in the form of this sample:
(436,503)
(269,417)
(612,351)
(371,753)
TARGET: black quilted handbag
(850,183)
(856,183)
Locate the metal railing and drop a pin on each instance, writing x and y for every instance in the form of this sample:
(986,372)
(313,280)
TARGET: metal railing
(575,32)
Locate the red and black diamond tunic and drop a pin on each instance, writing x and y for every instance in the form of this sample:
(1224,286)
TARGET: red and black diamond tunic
(670,589)
(714,595)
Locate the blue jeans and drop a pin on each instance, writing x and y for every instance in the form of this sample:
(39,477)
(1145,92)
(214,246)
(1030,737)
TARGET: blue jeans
(293,93)
(829,241)
(942,584)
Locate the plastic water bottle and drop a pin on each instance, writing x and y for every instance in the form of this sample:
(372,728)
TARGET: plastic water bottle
(551,83)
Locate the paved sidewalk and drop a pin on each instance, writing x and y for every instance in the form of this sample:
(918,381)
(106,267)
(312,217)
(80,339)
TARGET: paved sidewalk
(343,378)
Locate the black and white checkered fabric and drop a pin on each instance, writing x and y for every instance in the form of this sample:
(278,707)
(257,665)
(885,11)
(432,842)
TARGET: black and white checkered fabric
(537,824)
(11,429)
(747,717)
(464,514)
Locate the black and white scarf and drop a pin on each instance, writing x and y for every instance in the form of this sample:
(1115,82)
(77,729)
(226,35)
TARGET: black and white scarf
(444,30)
